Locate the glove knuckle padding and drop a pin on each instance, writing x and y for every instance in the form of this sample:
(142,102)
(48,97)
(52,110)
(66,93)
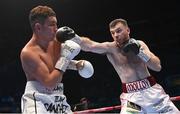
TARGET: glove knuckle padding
(70,49)
(64,33)
(87,71)
(132,45)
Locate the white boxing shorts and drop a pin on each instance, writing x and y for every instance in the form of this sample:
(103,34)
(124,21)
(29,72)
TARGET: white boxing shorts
(39,100)
(146,97)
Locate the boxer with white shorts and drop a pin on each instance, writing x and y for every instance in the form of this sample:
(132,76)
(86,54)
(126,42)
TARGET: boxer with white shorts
(44,61)
(131,59)
(40,100)
(145,97)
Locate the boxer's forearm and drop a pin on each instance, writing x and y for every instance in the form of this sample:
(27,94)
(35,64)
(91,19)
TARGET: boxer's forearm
(72,65)
(154,63)
(151,60)
(86,44)
(93,46)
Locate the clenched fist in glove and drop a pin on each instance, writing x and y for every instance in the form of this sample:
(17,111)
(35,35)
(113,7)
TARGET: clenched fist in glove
(66,33)
(87,70)
(84,68)
(69,50)
(133,46)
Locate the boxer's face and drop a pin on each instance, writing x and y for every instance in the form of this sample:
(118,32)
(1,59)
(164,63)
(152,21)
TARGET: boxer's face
(120,33)
(49,28)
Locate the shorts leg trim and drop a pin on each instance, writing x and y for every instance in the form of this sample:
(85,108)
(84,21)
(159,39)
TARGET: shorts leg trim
(35,103)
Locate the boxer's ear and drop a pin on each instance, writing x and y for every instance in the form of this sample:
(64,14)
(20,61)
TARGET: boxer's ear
(37,27)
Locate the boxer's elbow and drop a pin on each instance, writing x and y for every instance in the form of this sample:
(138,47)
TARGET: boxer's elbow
(155,67)
(156,64)
(50,82)
(158,68)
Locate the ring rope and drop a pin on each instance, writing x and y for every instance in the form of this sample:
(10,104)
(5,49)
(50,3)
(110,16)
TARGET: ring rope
(110,108)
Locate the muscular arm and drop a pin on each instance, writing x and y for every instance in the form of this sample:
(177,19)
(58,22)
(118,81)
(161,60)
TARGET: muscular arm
(154,62)
(95,47)
(35,68)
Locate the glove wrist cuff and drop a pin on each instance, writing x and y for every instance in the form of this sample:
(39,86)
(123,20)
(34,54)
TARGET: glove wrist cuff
(143,56)
(77,39)
(62,64)
(72,65)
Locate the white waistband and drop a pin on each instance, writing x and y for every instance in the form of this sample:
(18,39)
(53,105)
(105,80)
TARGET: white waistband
(35,86)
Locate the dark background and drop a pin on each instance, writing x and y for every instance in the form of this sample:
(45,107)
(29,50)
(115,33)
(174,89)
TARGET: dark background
(156,22)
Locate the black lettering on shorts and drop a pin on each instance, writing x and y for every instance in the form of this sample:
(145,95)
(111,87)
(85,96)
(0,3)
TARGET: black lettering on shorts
(57,106)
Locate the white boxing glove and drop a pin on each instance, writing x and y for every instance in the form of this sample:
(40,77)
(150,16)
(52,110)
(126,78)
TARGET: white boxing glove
(69,50)
(84,68)
(87,70)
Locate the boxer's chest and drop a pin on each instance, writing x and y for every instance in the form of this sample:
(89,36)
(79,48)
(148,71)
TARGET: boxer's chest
(51,56)
(124,58)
